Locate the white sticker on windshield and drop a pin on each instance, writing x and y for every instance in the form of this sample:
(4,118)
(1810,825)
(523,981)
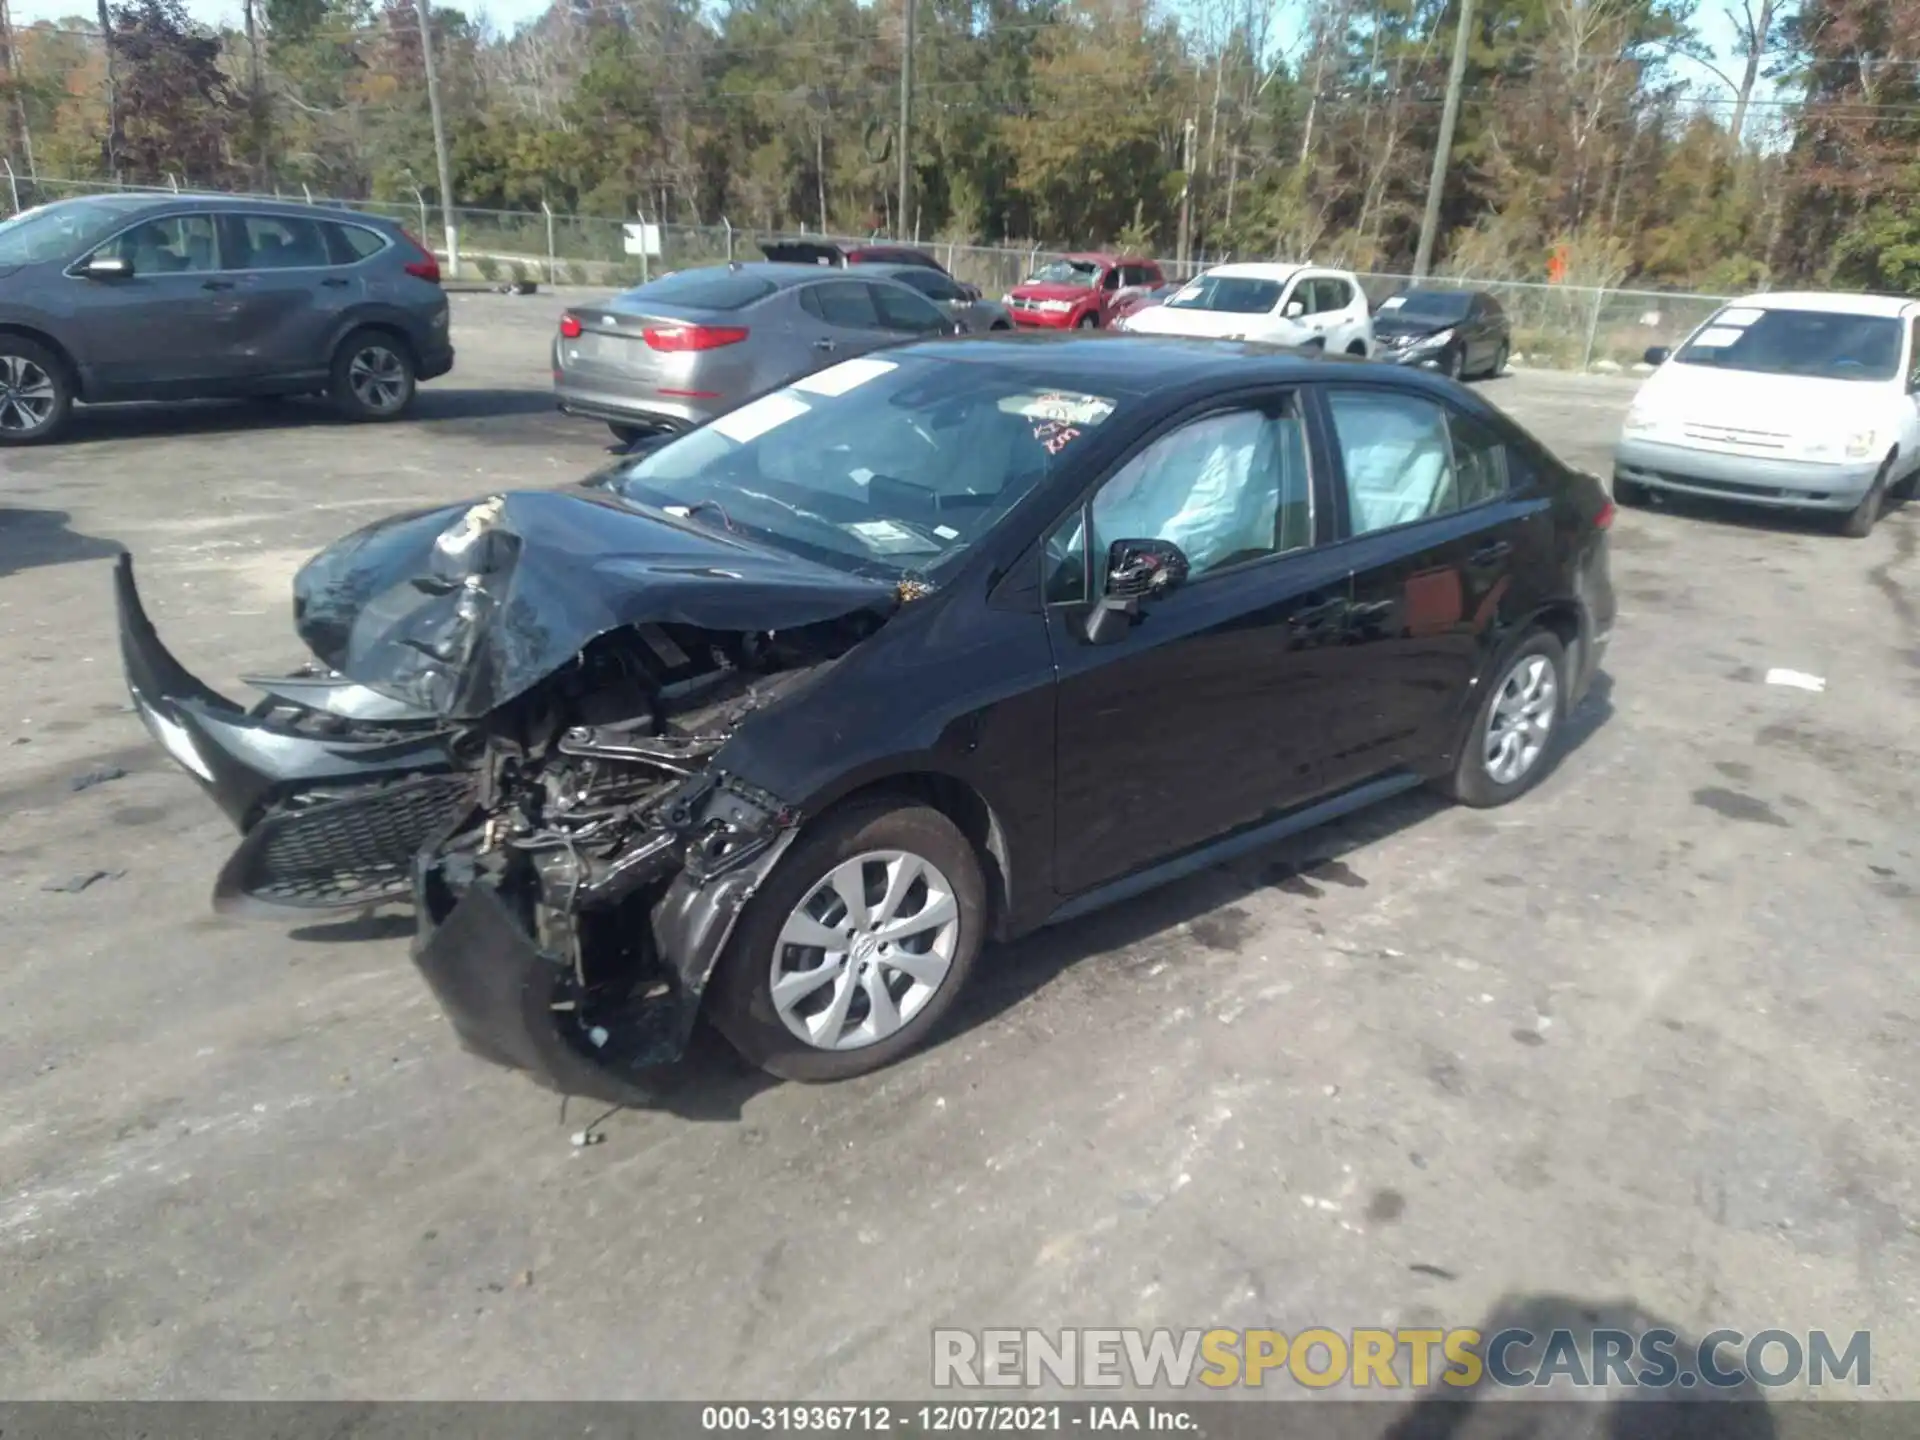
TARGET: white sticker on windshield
(887,538)
(1718,336)
(1062,408)
(1393,302)
(946,532)
(1737,317)
(847,375)
(752,421)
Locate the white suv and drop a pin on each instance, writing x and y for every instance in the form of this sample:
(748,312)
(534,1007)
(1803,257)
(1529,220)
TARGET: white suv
(1809,400)
(1273,304)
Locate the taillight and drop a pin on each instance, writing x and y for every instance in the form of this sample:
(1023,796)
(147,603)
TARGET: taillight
(569,327)
(1604,519)
(692,337)
(426,267)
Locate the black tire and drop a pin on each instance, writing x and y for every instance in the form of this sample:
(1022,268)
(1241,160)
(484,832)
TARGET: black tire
(1454,363)
(36,392)
(740,999)
(373,376)
(1472,783)
(1629,494)
(1088,322)
(1358,348)
(1860,520)
(1908,488)
(1000,325)
(1499,362)
(628,434)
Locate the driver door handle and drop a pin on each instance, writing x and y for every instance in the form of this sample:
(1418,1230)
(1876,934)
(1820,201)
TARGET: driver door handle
(826,345)
(216,285)
(1491,552)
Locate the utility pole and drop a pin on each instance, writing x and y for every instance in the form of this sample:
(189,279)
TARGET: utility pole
(17,125)
(1443,149)
(447,221)
(905,222)
(113,98)
(1186,198)
(255,114)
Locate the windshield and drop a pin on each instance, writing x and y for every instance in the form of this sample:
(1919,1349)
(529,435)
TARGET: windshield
(1065,272)
(1235,294)
(64,230)
(881,467)
(1430,304)
(1818,344)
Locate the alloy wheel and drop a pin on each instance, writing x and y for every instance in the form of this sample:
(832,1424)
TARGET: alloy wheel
(378,377)
(865,950)
(1522,720)
(28,397)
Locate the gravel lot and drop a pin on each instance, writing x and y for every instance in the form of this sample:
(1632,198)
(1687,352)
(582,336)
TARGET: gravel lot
(1647,1042)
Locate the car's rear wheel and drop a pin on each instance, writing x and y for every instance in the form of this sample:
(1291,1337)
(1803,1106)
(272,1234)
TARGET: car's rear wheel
(628,434)
(1860,520)
(1510,744)
(1088,322)
(36,398)
(373,376)
(855,947)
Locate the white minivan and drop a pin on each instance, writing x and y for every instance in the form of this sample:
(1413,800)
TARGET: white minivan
(1809,400)
(1270,303)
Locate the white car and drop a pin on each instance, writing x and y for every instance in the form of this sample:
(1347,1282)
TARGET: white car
(1273,304)
(1809,400)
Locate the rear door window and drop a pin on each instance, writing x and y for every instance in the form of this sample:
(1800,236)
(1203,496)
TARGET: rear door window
(276,242)
(845,303)
(1397,455)
(1329,293)
(930,283)
(1479,460)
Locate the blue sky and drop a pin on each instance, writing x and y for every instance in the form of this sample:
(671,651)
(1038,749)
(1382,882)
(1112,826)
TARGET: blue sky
(1715,25)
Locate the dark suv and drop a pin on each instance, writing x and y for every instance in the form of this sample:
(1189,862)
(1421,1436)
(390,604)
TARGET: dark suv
(188,297)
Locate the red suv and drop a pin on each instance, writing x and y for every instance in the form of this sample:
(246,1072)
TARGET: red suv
(1080,292)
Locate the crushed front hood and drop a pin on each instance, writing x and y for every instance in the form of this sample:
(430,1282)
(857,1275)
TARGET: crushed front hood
(455,611)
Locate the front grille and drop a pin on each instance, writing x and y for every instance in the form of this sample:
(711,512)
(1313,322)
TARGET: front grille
(355,850)
(1732,435)
(1737,490)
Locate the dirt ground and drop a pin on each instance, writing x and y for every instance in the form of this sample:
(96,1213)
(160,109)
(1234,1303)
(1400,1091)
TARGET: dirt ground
(1647,1041)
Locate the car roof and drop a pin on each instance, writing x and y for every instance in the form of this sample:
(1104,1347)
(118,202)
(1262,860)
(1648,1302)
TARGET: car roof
(1107,257)
(1164,365)
(1836,302)
(787,274)
(132,203)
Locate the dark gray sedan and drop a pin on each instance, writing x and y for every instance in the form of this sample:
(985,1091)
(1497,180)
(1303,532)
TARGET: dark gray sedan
(673,354)
(977,314)
(186,297)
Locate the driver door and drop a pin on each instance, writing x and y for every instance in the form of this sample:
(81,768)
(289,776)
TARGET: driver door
(170,326)
(1211,711)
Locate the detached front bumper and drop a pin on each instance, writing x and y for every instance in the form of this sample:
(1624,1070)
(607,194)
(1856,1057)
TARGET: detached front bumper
(1755,479)
(329,821)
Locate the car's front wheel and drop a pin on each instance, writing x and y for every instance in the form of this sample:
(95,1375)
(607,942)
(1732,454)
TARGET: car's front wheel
(855,947)
(1511,742)
(1859,521)
(1630,494)
(36,397)
(373,376)
(1088,322)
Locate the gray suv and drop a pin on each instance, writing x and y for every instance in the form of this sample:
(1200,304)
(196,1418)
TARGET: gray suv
(188,297)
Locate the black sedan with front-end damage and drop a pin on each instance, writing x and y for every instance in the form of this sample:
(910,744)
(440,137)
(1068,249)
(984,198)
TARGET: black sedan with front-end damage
(780,720)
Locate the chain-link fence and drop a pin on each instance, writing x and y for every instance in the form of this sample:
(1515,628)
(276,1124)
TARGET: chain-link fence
(1571,327)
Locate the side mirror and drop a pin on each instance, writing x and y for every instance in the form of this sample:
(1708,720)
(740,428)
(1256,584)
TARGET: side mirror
(1656,355)
(1295,309)
(107,267)
(1137,571)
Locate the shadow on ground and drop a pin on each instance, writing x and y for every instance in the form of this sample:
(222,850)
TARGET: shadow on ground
(433,406)
(31,539)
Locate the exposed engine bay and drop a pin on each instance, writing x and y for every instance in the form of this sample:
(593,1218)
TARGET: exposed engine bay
(537,760)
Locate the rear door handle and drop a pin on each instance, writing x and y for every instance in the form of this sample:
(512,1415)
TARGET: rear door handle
(823,345)
(1494,551)
(335,283)
(216,285)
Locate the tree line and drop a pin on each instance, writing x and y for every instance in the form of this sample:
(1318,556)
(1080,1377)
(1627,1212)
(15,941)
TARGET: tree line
(1601,141)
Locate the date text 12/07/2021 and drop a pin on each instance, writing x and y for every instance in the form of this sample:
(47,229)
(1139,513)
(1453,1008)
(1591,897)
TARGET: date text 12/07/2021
(945,1418)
